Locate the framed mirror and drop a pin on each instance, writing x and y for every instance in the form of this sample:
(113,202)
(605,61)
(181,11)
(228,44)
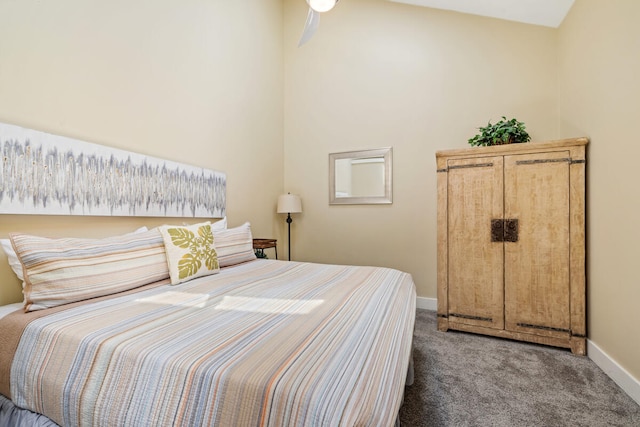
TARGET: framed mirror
(360,177)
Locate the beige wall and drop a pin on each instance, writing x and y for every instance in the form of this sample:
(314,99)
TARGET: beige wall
(201,82)
(381,74)
(599,45)
(194,81)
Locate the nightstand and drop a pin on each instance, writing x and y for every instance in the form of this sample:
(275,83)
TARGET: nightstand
(259,245)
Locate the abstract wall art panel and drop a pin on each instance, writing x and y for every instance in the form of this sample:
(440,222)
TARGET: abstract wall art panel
(46,174)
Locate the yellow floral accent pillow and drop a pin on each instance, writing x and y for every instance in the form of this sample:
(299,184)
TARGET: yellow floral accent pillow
(190,251)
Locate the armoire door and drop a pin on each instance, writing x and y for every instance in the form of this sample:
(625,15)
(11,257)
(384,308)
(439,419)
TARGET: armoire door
(475,264)
(537,282)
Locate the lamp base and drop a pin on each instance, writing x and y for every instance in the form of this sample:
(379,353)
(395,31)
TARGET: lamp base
(289,221)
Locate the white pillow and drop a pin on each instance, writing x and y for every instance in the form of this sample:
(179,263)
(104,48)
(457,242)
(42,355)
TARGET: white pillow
(219,225)
(12,258)
(15,264)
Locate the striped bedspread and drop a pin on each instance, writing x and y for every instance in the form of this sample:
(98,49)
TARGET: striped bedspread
(265,343)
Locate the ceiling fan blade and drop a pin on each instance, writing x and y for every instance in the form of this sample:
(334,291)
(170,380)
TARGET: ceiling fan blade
(310,27)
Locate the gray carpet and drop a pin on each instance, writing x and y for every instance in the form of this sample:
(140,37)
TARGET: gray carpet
(465,379)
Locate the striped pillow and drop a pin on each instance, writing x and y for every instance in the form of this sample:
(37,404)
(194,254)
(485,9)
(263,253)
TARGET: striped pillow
(14,263)
(234,245)
(65,270)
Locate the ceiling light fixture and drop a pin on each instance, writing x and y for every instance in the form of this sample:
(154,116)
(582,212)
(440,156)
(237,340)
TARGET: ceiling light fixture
(316,7)
(322,5)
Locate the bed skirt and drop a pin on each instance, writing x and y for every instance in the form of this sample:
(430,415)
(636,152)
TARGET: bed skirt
(12,416)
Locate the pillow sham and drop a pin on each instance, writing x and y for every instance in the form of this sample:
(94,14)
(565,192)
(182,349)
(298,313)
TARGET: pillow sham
(65,270)
(14,262)
(234,245)
(190,251)
(220,224)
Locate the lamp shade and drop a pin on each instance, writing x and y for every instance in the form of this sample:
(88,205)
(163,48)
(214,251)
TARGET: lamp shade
(289,203)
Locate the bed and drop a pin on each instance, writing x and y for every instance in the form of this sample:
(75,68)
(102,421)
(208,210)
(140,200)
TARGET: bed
(259,343)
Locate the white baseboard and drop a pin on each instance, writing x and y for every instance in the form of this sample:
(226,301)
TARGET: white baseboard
(617,373)
(427,303)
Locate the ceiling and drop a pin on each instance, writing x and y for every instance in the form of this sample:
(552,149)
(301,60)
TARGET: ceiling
(548,13)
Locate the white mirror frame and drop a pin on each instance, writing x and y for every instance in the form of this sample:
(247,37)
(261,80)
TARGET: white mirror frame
(385,153)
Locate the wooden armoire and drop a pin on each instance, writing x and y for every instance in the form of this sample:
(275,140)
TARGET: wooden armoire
(511,241)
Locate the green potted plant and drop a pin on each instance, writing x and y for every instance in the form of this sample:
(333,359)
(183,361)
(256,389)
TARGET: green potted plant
(503,132)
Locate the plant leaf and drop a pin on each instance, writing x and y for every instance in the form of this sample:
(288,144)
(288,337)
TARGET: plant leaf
(211,259)
(181,237)
(504,131)
(188,266)
(206,234)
